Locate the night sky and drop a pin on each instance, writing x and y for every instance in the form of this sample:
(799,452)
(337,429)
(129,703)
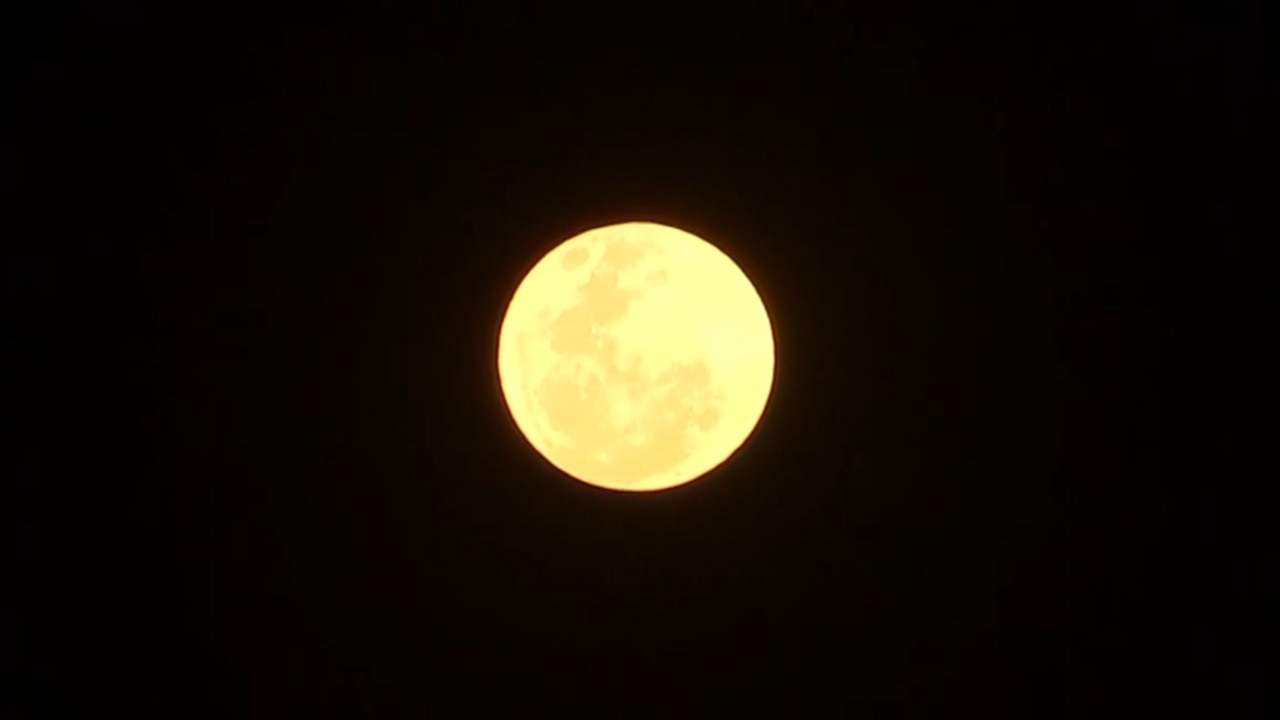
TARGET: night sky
(265,465)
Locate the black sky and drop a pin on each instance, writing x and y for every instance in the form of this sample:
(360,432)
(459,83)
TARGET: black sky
(261,262)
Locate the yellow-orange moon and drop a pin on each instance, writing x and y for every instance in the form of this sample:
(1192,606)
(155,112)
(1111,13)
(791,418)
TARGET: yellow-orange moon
(636,357)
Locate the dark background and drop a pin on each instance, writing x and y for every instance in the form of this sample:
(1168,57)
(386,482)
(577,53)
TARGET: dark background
(258,262)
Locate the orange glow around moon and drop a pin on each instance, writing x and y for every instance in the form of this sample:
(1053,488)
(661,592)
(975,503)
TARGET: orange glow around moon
(636,357)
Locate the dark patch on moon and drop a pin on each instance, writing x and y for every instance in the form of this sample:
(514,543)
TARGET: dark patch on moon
(574,258)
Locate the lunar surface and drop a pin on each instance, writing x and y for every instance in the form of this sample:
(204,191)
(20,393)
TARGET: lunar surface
(636,357)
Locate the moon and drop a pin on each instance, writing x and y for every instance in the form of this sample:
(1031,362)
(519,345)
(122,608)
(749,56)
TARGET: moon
(636,357)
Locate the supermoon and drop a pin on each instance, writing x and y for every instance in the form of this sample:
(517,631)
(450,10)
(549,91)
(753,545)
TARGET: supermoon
(636,357)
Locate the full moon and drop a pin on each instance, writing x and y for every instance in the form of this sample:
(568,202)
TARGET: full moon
(636,357)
